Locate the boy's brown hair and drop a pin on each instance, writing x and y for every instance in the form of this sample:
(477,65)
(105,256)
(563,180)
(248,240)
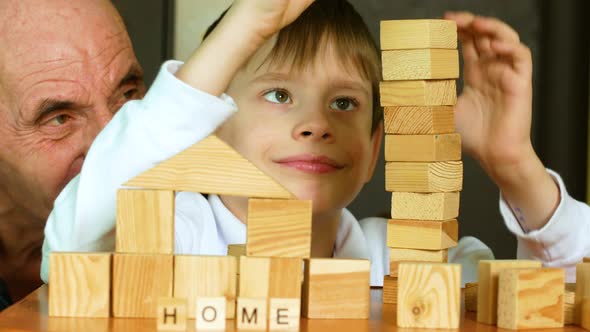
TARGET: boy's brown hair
(325,22)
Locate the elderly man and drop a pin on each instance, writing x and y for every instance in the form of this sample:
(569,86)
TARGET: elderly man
(66,67)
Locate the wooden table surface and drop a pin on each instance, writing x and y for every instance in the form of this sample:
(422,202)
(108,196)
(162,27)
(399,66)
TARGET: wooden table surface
(30,314)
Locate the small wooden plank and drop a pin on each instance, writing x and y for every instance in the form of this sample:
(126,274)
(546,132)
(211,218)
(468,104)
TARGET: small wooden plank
(336,288)
(531,298)
(413,34)
(284,314)
(209,166)
(270,277)
(429,295)
(145,221)
(470,296)
(171,314)
(418,93)
(80,284)
(420,64)
(236,250)
(487,292)
(208,277)
(420,206)
(443,176)
(279,228)
(251,314)
(390,290)
(445,147)
(585,305)
(138,281)
(419,120)
(211,313)
(422,234)
(582,289)
(569,300)
(586,260)
(398,255)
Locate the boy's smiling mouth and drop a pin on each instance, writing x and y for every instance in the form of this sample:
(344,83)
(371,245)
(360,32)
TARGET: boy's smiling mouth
(309,163)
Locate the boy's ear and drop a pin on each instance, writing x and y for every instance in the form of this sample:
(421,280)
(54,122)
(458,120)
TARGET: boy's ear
(376,139)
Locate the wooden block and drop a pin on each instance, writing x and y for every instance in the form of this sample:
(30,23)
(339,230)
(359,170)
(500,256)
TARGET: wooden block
(171,314)
(138,281)
(470,296)
(487,290)
(429,295)
(284,314)
(336,288)
(586,260)
(80,284)
(210,313)
(569,300)
(236,250)
(582,289)
(389,290)
(412,34)
(210,166)
(398,255)
(418,206)
(444,176)
(419,120)
(251,314)
(207,277)
(585,305)
(418,93)
(443,147)
(270,277)
(279,228)
(531,298)
(422,234)
(420,64)
(145,221)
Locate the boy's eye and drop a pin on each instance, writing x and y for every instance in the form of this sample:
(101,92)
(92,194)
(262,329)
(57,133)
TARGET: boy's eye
(277,97)
(343,104)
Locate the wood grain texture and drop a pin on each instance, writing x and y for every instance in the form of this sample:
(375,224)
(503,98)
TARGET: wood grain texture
(213,167)
(145,221)
(211,313)
(278,228)
(531,298)
(419,120)
(582,289)
(138,281)
(398,255)
(412,34)
(390,289)
(470,294)
(236,250)
(585,307)
(420,64)
(418,93)
(336,288)
(420,206)
(251,314)
(284,314)
(422,234)
(270,277)
(424,177)
(569,300)
(171,314)
(586,260)
(443,147)
(487,292)
(198,277)
(80,284)
(429,295)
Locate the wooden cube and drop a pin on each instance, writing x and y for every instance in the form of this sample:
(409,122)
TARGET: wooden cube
(336,288)
(236,250)
(422,234)
(444,147)
(398,255)
(278,228)
(569,300)
(420,64)
(424,177)
(270,277)
(585,305)
(414,34)
(389,290)
(487,290)
(251,314)
(429,295)
(171,314)
(531,298)
(138,281)
(145,221)
(470,296)
(419,120)
(582,289)
(586,260)
(418,93)
(79,284)
(421,206)
(284,314)
(208,277)
(210,313)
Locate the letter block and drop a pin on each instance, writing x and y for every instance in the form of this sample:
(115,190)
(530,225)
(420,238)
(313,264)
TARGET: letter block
(171,314)
(284,314)
(210,313)
(251,314)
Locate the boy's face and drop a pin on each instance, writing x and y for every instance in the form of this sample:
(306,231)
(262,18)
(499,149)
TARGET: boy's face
(310,130)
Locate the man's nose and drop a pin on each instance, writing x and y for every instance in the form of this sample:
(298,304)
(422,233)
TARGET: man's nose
(96,122)
(314,126)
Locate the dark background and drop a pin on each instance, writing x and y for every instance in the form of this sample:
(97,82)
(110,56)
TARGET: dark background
(556,32)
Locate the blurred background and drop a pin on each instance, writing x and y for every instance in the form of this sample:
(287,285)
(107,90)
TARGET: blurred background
(556,31)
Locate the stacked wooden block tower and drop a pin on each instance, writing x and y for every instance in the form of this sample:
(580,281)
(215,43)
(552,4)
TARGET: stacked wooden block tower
(423,168)
(266,283)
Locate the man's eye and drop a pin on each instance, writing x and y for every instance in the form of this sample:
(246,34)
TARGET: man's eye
(277,97)
(130,94)
(343,104)
(59,120)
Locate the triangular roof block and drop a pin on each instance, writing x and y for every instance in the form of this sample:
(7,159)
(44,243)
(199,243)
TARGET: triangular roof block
(210,167)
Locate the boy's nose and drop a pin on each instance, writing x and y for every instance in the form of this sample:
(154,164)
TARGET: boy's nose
(316,129)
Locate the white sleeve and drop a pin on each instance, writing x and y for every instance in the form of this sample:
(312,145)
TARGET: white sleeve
(563,241)
(170,118)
